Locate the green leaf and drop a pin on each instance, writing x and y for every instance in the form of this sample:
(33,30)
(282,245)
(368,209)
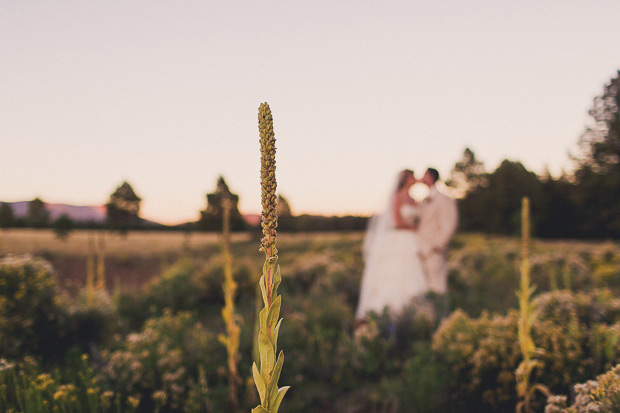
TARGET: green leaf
(274,313)
(260,383)
(267,354)
(276,332)
(277,279)
(262,316)
(281,392)
(260,409)
(263,288)
(273,380)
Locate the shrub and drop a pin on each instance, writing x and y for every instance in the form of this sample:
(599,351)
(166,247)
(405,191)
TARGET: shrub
(31,318)
(163,362)
(600,395)
(484,281)
(481,356)
(24,387)
(185,286)
(91,320)
(579,332)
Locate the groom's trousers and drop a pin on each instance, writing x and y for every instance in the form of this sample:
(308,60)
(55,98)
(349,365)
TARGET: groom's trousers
(434,264)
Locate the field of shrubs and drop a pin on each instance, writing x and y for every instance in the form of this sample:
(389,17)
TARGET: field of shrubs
(152,342)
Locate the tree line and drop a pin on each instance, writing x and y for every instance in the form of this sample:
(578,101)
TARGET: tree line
(582,204)
(123,214)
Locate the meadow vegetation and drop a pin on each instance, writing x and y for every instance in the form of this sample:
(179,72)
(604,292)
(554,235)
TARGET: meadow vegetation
(152,345)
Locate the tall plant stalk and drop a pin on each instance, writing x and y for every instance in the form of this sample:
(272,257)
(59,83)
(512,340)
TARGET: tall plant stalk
(90,271)
(101,284)
(267,375)
(529,352)
(231,340)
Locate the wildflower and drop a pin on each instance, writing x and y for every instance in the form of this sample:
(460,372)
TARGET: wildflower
(133,401)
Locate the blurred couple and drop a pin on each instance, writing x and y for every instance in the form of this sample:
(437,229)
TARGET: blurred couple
(405,247)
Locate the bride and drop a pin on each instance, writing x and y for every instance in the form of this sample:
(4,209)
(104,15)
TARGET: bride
(393,272)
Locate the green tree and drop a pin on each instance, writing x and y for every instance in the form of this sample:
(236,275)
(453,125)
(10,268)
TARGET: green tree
(211,217)
(286,220)
(38,216)
(558,214)
(63,225)
(496,206)
(123,208)
(598,172)
(283,209)
(467,174)
(6,215)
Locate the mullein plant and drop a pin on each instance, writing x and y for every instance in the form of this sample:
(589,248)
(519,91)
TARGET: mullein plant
(90,271)
(529,352)
(101,262)
(231,340)
(267,375)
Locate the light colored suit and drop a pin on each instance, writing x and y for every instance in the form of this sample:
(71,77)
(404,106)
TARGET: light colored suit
(438,219)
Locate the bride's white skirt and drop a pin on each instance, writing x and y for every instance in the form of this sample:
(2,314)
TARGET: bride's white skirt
(393,273)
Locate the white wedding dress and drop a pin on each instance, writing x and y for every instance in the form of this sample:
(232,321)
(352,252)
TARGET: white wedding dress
(393,273)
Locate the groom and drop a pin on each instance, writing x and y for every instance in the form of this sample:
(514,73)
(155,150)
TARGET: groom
(438,218)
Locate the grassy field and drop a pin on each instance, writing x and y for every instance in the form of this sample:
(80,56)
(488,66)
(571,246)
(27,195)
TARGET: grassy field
(160,319)
(139,257)
(133,259)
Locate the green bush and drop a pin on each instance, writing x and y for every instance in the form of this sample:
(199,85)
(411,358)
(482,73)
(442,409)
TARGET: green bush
(579,333)
(31,318)
(600,395)
(481,356)
(186,286)
(24,387)
(484,281)
(165,362)
(90,320)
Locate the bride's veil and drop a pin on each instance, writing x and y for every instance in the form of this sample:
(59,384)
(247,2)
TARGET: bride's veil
(379,224)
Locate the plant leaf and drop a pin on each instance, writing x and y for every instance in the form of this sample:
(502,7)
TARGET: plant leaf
(277,279)
(267,355)
(276,332)
(263,288)
(263,319)
(281,392)
(273,380)
(260,383)
(274,313)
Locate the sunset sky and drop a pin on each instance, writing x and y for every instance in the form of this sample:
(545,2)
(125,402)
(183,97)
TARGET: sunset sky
(165,95)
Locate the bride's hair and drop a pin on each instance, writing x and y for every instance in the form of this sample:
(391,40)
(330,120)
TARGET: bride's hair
(402,179)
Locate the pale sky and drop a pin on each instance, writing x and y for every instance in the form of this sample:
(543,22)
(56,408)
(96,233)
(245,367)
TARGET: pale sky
(165,95)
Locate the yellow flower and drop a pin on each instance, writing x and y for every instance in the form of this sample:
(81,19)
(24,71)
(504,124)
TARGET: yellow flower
(133,401)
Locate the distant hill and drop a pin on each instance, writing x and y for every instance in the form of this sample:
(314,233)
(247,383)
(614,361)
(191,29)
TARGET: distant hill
(252,220)
(75,213)
(96,214)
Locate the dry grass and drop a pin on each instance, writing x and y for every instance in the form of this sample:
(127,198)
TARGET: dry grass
(130,261)
(138,243)
(139,257)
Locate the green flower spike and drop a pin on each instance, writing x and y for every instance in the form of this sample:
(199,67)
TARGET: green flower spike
(231,319)
(530,353)
(267,375)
